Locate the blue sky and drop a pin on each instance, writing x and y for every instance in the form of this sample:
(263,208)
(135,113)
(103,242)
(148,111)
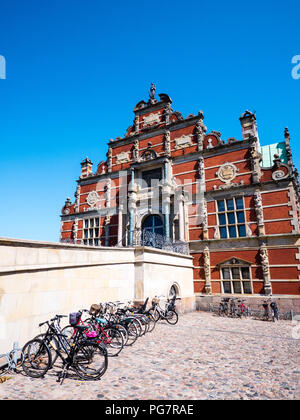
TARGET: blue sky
(75,70)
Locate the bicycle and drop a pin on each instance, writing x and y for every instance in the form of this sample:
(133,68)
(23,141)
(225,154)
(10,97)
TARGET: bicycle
(242,309)
(87,357)
(118,317)
(104,332)
(169,313)
(223,309)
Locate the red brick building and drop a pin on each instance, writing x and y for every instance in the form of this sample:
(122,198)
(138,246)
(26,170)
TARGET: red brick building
(169,181)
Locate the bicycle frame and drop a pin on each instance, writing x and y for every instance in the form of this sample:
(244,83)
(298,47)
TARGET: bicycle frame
(105,340)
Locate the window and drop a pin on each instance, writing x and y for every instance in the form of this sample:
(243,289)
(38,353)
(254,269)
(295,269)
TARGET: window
(231,218)
(148,176)
(236,280)
(153,224)
(91,232)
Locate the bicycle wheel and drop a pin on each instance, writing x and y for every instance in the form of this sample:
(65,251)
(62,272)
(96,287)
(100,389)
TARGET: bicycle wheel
(172,317)
(137,324)
(144,323)
(37,358)
(69,333)
(90,360)
(52,345)
(151,322)
(132,332)
(123,331)
(113,340)
(156,315)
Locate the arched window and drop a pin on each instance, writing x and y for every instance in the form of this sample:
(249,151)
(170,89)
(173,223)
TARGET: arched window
(153,224)
(173,291)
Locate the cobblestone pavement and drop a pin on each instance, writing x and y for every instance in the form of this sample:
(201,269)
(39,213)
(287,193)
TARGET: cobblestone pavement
(202,357)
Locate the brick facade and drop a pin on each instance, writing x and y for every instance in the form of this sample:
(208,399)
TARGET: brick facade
(239,217)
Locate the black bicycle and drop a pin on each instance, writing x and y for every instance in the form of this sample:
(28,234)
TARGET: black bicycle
(85,356)
(223,309)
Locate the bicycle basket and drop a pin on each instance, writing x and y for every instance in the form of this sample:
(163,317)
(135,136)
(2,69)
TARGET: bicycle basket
(95,309)
(74,318)
(155,301)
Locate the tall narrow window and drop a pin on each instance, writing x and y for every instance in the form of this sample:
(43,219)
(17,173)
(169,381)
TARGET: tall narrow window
(91,232)
(231,217)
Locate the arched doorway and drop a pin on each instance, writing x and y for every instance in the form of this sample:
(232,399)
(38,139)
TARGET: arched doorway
(152,231)
(174,291)
(153,224)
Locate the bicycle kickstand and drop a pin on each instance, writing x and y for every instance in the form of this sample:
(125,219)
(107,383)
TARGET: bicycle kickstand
(62,375)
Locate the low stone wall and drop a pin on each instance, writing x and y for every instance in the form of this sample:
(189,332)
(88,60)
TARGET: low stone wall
(39,280)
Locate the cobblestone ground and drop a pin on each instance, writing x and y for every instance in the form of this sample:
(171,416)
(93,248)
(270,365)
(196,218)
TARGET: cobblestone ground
(202,357)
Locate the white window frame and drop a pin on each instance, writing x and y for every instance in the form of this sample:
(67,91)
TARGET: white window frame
(231,279)
(234,211)
(91,239)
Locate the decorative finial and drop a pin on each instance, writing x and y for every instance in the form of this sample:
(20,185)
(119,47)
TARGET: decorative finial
(152,91)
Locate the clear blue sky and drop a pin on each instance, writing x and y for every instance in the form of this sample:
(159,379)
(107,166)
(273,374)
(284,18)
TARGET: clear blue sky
(76,69)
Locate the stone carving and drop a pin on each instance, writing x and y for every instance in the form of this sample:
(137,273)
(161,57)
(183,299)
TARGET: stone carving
(167,113)
(108,192)
(204,219)
(278,175)
(200,133)
(206,258)
(136,124)
(217,233)
(92,198)
(255,158)
(152,91)
(263,253)
(109,160)
(149,153)
(228,185)
(77,198)
(68,204)
(259,212)
(167,143)
(135,152)
(122,157)
(183,141)
(75,229)
(282,170)
(227,172)
(151,119)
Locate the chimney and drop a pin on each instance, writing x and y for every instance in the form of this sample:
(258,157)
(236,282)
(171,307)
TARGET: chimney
(86,168)
(249,126)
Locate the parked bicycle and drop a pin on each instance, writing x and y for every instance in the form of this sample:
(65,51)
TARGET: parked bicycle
(168,313)
(233,307)
(223,309)
(100,329)
(91,337)
(85,356)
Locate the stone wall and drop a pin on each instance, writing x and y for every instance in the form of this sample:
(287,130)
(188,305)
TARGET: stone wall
(39,280)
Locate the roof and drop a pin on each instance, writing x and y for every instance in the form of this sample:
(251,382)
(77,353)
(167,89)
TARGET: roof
(270,150)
